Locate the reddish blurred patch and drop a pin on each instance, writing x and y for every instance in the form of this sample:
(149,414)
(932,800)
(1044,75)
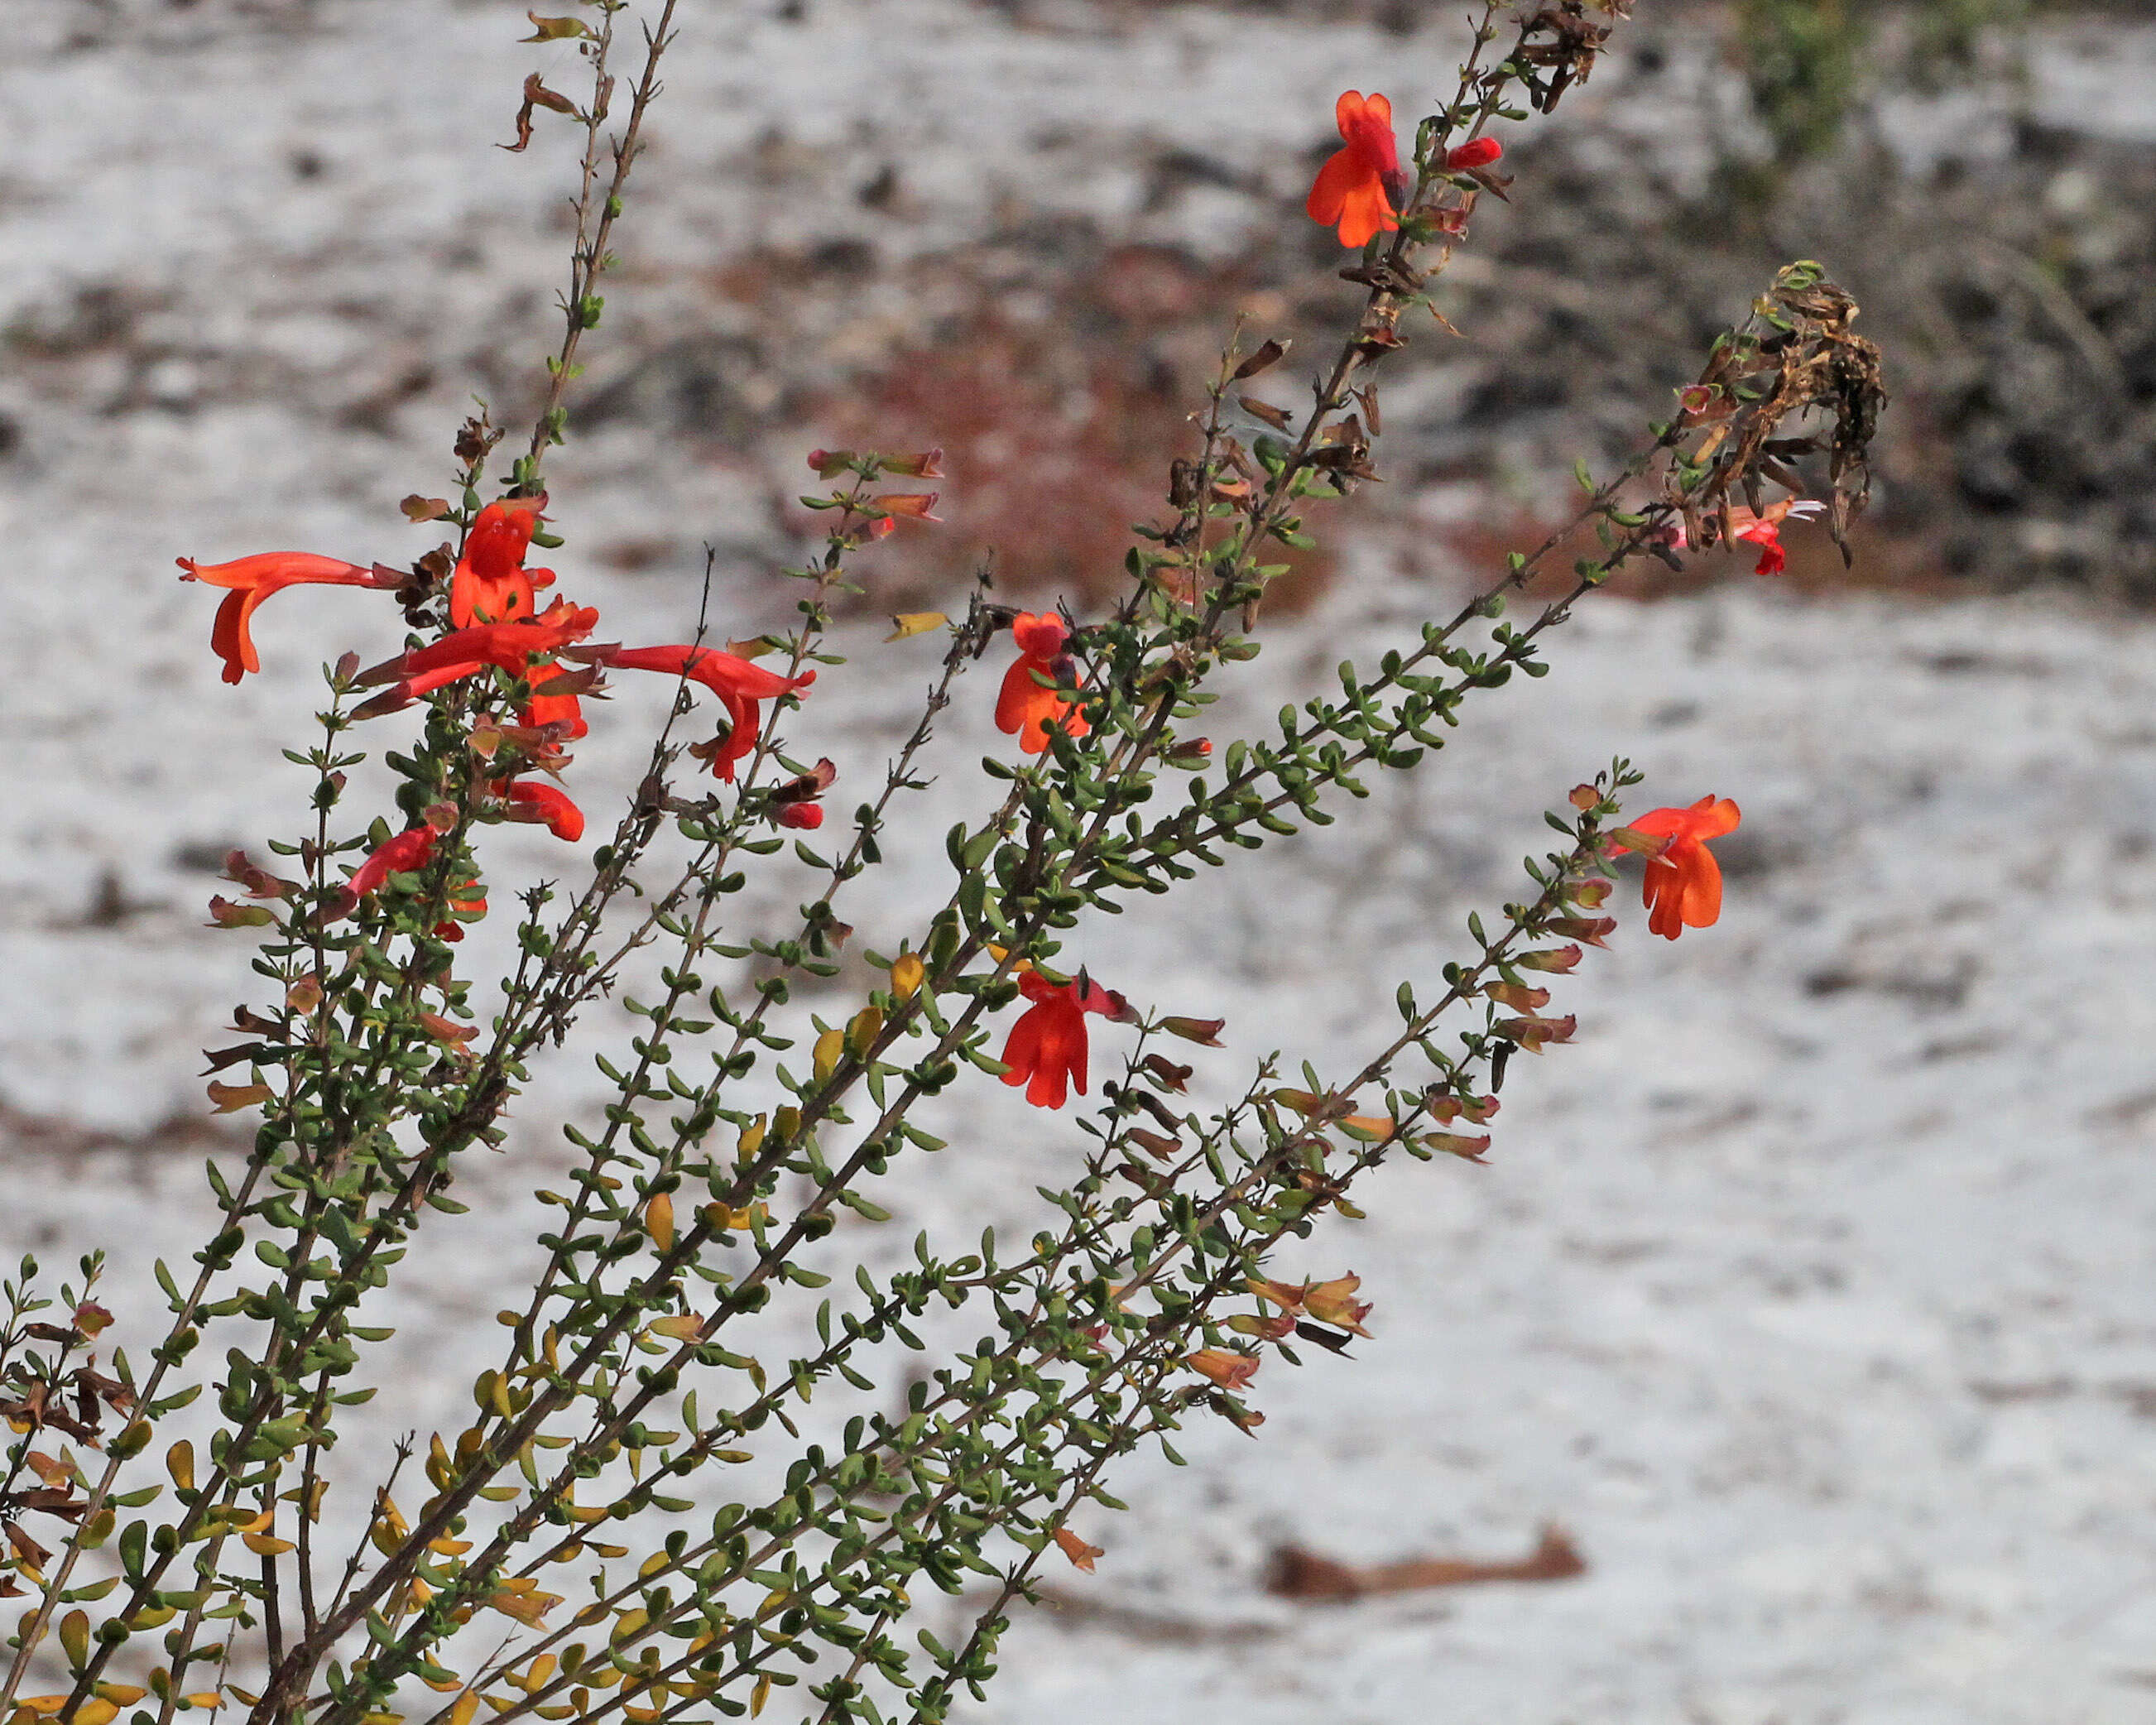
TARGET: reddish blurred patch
(1057,430)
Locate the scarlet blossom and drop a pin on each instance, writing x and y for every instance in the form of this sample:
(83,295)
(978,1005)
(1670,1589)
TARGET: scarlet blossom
(807,816)
(1475,153)
(546,805)
(1683,888)
(739,684)
(491,584)
(1024,705)
(408,850)
(1765,529)
(1046,1050)
(251,580)
(1357,187)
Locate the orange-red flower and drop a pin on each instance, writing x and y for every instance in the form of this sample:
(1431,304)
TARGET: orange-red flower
(544,805)
(1683,885)
(1765,529)
(1026,704)
(1046,1051)
(409,850)
(1358,184)
(1475,153)
(739,684)
(491,584)
(251,580)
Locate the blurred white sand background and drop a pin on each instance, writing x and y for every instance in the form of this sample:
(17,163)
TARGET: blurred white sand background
(1811,1291)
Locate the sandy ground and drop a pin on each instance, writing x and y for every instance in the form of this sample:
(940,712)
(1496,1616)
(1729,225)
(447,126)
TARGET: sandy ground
(1809,1290)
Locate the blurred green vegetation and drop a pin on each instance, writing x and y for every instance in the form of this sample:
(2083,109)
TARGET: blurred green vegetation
(1808,63)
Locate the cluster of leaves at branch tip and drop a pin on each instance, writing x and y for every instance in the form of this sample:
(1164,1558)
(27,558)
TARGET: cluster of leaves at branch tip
(639,1521)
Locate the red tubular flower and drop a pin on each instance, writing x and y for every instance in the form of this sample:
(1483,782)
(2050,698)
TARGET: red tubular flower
(807,816)
(491,584)
(1475,153)
(1765,529)
(408,850)
(1046,1051)
(546,805)
(739,684)
(252,580)
(1683,888)
(1023,705)
(1352,186)
(512,646)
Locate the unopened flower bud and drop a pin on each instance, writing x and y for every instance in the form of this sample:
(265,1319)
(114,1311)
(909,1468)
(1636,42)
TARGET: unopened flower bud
(1589,929)
(1466,1148)
(907,973)
(1534,1034)
(1230,1371)
(1072,1547)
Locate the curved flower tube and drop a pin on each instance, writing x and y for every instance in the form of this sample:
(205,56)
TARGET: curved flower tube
(1682,887)
(1026,704)
(737,682)
(252,579)
(1356,187)
(409,850)
(513,647)
(544,805)
(1046,1051)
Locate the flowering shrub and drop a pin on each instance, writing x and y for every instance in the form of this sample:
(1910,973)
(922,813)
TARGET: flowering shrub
(554,1558)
